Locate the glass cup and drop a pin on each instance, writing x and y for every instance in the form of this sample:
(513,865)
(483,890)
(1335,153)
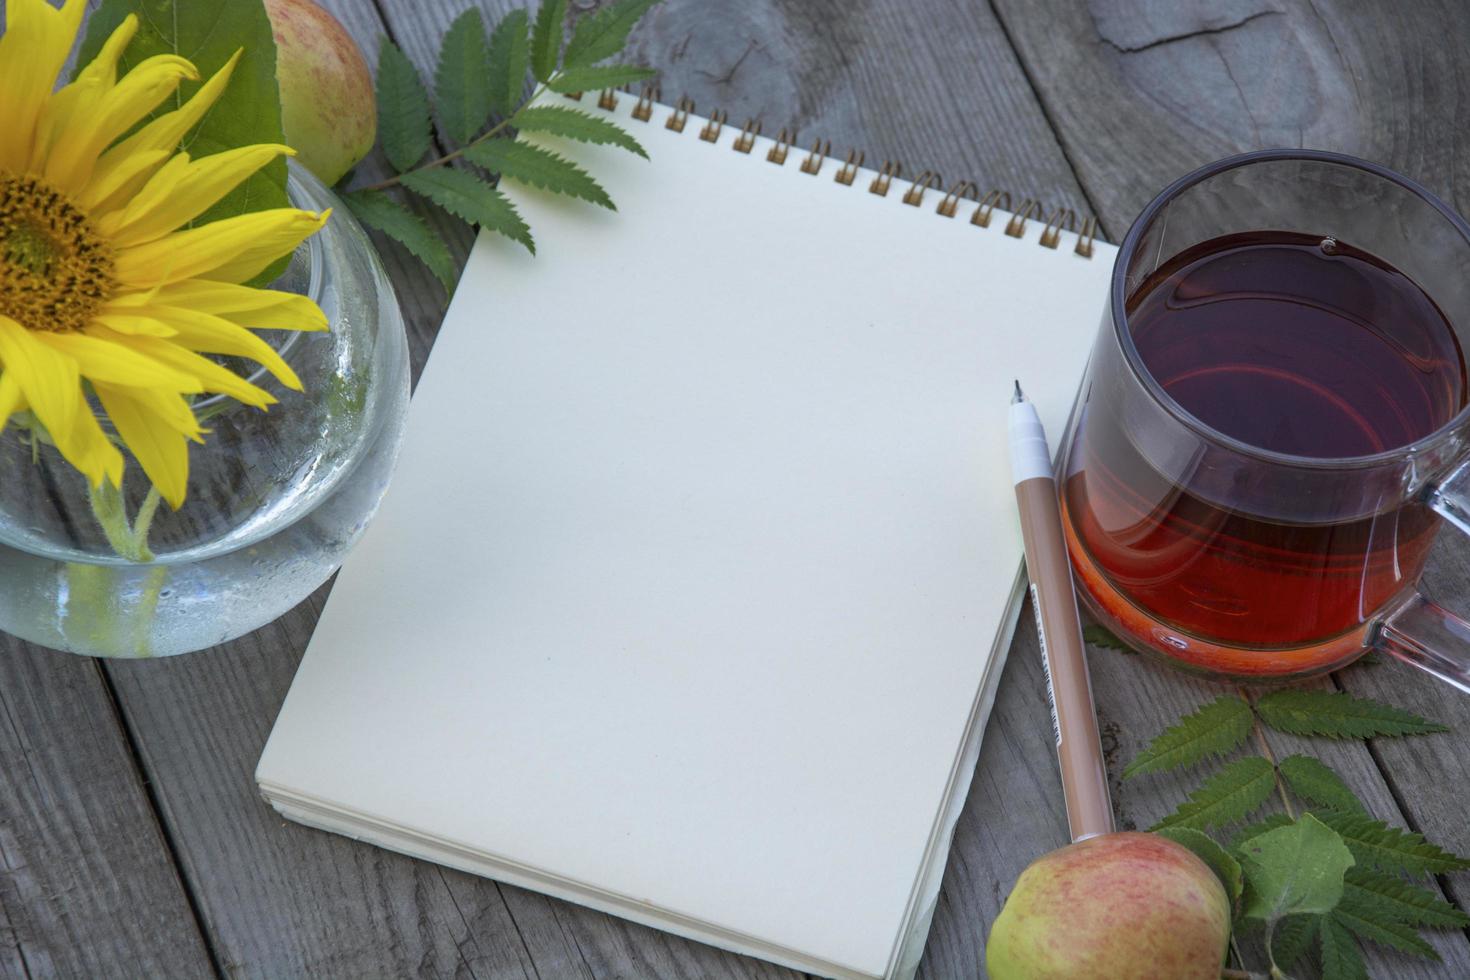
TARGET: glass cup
(1232,559)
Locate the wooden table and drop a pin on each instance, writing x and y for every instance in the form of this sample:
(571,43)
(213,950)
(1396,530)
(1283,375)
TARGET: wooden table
(132,841)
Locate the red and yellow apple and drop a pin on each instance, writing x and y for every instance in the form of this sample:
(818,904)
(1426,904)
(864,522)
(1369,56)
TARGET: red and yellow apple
(1124,906)
(328,109)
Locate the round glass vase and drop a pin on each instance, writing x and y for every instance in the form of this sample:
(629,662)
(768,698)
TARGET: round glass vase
(275,498)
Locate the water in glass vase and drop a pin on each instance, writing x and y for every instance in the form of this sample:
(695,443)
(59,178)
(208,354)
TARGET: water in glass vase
(1288,344)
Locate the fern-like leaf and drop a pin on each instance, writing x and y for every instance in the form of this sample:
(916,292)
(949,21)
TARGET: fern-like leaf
(1338,715)
(377,210)
(604,33)
(1364,920)
(519,161)
(575,80)
(1264,826)
(508,55)
(1221,861)
(403,108)
(1396,899)
(1340,957)
(1230,795)
(1376,844)
(546,38)
(461,81)
(462,193)
(1316,783)
(1217,728)
(559,121)
(1292,937)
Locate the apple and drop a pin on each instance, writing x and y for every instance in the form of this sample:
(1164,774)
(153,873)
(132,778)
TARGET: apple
(328,109)
(1123,906)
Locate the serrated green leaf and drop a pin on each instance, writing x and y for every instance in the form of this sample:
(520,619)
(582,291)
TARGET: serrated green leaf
(1258,828)
(463,194)
(1364,921)
(463,84)
(1376,844)
(1292,937)
(1226,868)
(1215,729)
(592,79)
(377,210)
(546,37)
(403,108)
(520,161)
(1100,637)
(249,109)
(1294,870)
(1340,957)
(557,121)
(510,51)
(1230,795)
(603,34)
(1338,715)
(1393,898)
(1316,783)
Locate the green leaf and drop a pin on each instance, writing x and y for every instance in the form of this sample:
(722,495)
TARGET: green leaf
(1340,957)
(1217,728)
(546,37)
(403,108)
(516,160)
(604,33)
(559,121)
(377,210)
(603,76)
(510,50)
(1100,637)
(1226,868)
(1376,844)
(462,193)
(1316,783)
(209,34)
(1294,870)
(1259,827)
(1338,715)
(1393,898)
(463,84)
(1292,937)
(1231,794)
(1365,921)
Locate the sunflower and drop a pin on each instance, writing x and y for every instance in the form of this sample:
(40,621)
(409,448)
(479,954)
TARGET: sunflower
(109,302)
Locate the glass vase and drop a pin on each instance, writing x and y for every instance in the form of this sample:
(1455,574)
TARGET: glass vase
(275,498)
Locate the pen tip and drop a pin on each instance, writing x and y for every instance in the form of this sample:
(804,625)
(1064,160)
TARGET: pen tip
(1019,396)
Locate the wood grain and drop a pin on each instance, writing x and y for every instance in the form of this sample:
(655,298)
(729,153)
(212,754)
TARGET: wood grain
(87,884)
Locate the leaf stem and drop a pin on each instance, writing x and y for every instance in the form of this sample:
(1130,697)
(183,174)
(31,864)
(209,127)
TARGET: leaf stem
(453,155)
(1269,756)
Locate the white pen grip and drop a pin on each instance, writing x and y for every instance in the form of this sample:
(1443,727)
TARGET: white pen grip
(1030,456)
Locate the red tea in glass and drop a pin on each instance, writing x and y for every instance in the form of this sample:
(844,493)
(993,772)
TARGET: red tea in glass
(1272,423)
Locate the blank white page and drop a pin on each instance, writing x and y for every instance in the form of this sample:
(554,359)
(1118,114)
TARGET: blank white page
(688,582)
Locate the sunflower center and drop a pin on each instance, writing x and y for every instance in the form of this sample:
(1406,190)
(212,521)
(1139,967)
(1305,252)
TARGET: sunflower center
(54,269)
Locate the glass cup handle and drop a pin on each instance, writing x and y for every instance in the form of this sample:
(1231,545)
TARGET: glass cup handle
(1419,631)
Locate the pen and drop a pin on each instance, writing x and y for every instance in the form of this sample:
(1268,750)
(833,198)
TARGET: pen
(1069,689)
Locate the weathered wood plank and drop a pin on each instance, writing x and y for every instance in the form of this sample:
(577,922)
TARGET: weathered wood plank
(87,886)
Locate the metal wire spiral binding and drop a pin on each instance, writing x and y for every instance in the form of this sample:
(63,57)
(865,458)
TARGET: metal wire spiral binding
(915,194)
(680,115)
(879,186)
(1052,233)
(848,173)
(711,131)
(951,202)
(1030,208)
(783,144)
(747,136)
(813,162)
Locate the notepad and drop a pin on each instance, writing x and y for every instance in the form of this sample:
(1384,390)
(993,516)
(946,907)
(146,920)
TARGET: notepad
(690,595)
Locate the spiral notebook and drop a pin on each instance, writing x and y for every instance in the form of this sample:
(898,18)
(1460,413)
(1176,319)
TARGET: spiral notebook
(690,595)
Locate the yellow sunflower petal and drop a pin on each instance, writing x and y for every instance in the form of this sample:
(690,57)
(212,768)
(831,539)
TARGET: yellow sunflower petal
(134,324)
(102,360)
(179,194)
(120,172)
(214,335)
(259,309)
(74,156)
(48,378)
(160,449)
(88,449)
(37,39)
(83,94)
(103,67)
(214,377)
(228,250)
(12,399)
